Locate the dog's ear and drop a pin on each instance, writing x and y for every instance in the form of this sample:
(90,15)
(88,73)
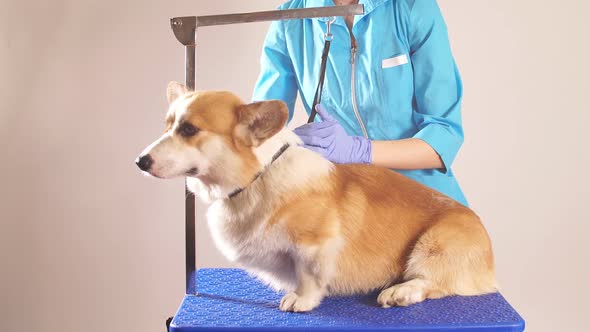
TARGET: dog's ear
(259,121)
(175,90)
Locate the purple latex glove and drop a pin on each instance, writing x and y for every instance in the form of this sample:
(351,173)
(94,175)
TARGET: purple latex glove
(329,139)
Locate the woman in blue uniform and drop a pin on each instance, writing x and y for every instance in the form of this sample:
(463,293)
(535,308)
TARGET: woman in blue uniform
(392,95)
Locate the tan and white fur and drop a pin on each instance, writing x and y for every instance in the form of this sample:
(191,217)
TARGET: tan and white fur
(307,226)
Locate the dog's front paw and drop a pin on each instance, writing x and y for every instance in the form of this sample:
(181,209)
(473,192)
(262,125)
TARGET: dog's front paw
(296,303)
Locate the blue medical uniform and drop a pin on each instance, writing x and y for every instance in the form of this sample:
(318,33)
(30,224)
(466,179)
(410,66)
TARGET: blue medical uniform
(400,81)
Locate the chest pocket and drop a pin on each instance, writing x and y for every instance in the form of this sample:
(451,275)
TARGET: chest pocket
(396,76)
(395,61)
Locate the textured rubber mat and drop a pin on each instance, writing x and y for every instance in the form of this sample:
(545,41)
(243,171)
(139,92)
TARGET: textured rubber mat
(230,300)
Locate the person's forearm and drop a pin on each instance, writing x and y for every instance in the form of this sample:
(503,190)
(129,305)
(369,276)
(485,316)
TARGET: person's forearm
(409,153)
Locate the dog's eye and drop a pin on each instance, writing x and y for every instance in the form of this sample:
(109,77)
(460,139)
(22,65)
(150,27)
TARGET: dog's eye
(187,130)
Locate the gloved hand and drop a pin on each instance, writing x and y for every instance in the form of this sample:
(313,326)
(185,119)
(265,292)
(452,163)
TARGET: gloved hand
(329,139)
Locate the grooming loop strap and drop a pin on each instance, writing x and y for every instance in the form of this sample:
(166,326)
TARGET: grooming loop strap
(328,37)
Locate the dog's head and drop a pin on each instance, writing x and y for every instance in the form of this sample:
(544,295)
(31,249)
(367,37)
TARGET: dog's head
(212,136)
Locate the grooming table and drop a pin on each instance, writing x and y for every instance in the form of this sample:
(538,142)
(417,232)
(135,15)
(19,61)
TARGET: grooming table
(230,300)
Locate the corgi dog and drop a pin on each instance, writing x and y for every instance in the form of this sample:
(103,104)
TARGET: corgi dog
(307,226)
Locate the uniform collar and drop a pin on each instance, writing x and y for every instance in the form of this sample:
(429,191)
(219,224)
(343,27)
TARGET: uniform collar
(370,5)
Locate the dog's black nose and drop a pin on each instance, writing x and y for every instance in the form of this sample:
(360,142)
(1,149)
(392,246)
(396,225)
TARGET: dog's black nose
(144,162)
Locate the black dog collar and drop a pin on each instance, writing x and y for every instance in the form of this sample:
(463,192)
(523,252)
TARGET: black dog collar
(275,157)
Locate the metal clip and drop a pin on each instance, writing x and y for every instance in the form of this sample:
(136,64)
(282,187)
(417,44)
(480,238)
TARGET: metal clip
(328,35)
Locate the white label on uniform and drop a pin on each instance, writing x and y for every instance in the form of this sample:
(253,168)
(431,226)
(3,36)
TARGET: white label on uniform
(395,61)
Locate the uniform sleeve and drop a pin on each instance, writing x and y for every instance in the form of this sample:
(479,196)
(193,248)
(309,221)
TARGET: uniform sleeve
(277,78)
(437,84)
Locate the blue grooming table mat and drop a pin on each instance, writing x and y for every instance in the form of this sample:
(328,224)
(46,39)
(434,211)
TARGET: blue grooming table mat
(230,300)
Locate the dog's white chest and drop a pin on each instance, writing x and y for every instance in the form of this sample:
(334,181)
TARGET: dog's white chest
(247,239)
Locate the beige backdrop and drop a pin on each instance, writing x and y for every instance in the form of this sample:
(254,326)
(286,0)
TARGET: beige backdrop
(89,244)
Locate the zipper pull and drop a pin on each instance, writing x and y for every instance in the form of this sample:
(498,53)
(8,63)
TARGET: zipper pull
(352,54)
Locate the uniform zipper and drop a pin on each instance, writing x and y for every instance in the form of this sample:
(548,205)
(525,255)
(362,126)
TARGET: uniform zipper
(353,49)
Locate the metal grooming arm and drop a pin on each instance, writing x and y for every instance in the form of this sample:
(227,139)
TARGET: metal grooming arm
(185,30)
